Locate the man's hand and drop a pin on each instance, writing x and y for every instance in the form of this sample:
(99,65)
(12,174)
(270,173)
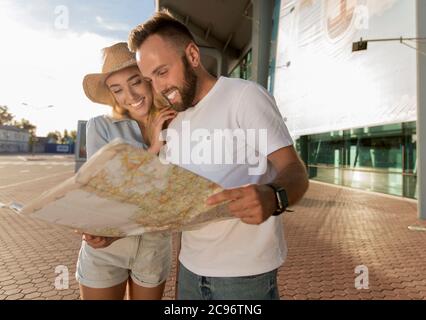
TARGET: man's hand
(99,242)
(253,204)
(256,203)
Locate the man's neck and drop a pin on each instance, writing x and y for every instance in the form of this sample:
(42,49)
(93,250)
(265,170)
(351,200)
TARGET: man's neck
(205,83)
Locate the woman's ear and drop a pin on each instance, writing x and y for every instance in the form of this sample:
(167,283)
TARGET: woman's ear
(192,53)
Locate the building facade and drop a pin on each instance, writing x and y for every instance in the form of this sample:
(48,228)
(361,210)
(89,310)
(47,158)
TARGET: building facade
(352,113)
(14,140)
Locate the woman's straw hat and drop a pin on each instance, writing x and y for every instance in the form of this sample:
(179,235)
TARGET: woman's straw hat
(116,58)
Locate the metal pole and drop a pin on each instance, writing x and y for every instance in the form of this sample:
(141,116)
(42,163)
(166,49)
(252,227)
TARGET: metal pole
(421,110)
(261,40)
(393,39)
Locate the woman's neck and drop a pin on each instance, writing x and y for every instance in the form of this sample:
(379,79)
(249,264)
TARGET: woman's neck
(143,121)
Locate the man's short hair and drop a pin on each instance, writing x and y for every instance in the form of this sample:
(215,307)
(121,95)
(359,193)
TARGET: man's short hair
(162,23)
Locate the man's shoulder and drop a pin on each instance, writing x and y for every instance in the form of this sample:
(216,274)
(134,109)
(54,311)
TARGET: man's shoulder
(236,82)
(242,85)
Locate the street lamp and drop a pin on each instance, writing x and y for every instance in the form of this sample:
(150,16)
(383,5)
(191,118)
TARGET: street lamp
(40,108)
(362,44)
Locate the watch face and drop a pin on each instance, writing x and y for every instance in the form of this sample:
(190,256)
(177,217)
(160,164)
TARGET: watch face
(283,197)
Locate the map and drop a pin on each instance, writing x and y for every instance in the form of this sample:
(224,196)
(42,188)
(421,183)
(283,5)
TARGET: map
(123,190)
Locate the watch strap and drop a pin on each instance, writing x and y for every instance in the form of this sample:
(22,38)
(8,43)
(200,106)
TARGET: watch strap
(281,198)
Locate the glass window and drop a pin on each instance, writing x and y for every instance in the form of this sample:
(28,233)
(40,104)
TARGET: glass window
(381,158)
(243,69)
(236,73)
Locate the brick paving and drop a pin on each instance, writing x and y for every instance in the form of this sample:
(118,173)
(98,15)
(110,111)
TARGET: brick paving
(335,229)
(332,231)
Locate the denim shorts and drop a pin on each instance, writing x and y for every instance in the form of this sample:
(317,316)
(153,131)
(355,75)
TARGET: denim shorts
(146,259)
(256,287)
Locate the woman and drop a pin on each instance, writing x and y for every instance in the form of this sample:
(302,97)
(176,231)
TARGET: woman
(107,266)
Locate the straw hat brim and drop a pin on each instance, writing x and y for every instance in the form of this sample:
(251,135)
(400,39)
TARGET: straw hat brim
(95,88)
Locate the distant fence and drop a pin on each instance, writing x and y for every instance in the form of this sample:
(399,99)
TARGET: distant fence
(59,148)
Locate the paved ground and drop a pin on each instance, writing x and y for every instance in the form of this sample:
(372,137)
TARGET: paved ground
(332,231)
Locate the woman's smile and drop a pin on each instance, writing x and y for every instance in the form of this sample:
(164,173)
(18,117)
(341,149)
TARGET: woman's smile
(139,104)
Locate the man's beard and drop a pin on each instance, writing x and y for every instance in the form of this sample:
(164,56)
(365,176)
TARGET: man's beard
(187,92)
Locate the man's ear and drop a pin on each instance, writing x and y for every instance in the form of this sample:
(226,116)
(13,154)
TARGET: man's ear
(192,53)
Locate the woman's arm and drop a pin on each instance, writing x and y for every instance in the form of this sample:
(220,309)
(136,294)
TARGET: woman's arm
(96,136)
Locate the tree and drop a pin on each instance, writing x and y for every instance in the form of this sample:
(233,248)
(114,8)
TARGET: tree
(73,135)
(54,137)
(65,137)
(26,125)
(5,116)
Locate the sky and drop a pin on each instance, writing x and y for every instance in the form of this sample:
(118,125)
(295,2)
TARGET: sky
(48,46)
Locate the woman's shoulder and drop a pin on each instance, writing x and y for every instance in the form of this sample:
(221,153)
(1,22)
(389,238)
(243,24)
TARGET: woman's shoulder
(110,126)
(105,122)
(108,120)
(102,119)
(99,125)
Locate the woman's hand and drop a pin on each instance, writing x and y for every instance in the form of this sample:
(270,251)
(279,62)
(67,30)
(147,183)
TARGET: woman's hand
(99,242)
(156,126)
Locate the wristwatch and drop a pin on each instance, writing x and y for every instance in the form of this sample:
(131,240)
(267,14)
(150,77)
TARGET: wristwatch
(281,197)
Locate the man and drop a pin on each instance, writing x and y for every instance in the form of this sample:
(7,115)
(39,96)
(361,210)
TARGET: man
(236,258)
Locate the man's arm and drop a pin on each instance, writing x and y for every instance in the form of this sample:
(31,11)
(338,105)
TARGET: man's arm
(254,204)
(292,174)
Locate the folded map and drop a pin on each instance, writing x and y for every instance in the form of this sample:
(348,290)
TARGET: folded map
(123,190)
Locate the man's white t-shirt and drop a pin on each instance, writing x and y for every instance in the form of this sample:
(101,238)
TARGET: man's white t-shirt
(231,248)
